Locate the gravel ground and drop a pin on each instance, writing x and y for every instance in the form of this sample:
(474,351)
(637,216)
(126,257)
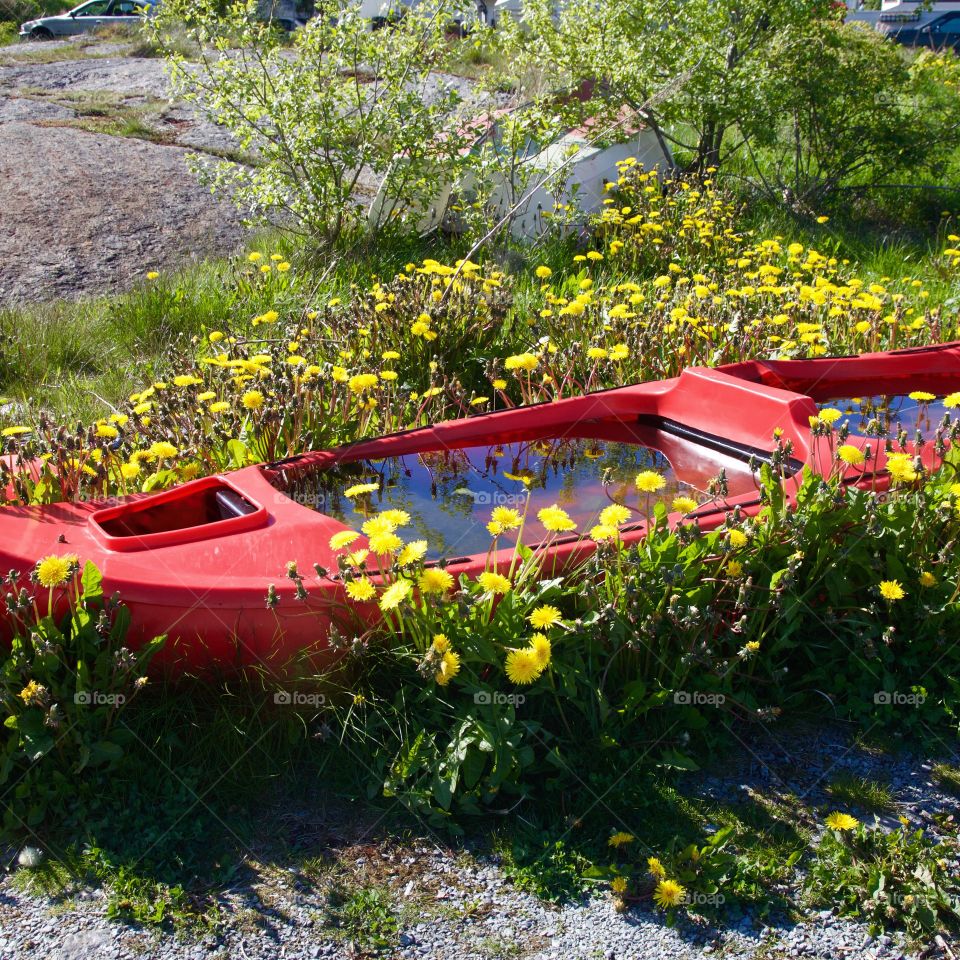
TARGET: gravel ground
(454,906)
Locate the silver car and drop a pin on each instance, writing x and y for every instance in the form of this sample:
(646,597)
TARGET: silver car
(85,18)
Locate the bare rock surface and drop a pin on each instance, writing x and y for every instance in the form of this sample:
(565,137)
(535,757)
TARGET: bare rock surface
(84,212)
(105,74)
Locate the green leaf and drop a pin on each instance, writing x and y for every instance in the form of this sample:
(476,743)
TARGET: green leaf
(91,582)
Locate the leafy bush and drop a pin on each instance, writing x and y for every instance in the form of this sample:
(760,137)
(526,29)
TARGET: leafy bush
(64,686)
(774,92)
(344,103)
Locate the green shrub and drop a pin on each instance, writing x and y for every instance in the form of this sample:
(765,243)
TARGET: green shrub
(64,686)
(514,685)
(895,879)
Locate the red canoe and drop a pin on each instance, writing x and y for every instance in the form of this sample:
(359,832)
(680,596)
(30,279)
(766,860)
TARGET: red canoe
(195,562)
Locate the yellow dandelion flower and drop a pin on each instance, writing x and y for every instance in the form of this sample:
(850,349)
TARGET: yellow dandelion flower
(252,400)
(684,504)
(522,361)
(922,396)
(163,450)
(395,594)
(399,518)
(619,886)
(952,400)
(359,489)
(435,580)
(737,538)
(927,579)
(360,590)
(33,693)
(412,552)
(614,515)
(362,382)
(507,517)
(541,646)
(378,525)
(440,642)
(842,822)
(54,571)
(850,454)
(669,894)
(544,616)
(448,669)
(830,415)
(555,519)
(656,867)
(602,532)
(343,539)
(891,590)
(494,582)
(385,543)
(543,272)
(14,431)
(620,839)
(649,481)
(900,467)
(522,666)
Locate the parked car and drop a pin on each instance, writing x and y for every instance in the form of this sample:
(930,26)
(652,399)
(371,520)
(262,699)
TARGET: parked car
(86,18)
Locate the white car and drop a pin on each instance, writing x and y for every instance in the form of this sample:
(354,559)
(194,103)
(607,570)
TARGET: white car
(86,18)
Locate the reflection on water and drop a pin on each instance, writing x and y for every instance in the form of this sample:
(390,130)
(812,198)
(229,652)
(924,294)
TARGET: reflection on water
(888,415)
(450,494)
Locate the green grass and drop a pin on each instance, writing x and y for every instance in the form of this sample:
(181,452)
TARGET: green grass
(365,915)
(947,776)
(871,795)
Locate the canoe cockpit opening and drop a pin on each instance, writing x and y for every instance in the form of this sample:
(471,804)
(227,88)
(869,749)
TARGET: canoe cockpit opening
(188,507)
(450,493)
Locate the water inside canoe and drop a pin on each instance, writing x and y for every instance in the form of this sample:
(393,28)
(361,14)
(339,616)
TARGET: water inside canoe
(891,413)
(450,493)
